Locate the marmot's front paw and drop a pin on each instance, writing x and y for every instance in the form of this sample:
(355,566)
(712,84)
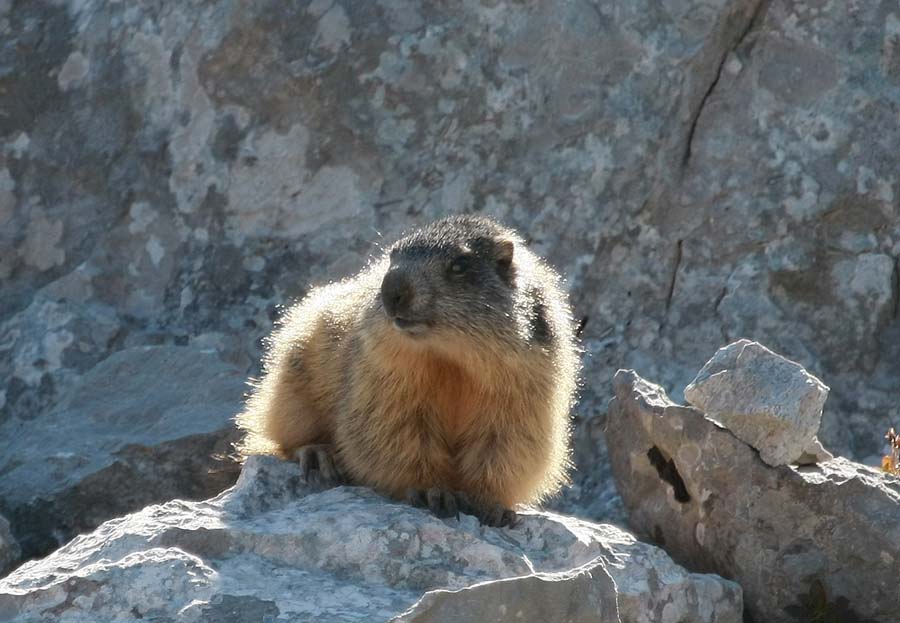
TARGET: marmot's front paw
(319,466)
(445,504)
(441,502)
(496,516)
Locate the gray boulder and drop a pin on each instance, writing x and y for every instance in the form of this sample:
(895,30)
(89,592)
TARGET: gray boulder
(818,542)
(272,547)
(143,426)
(768,401)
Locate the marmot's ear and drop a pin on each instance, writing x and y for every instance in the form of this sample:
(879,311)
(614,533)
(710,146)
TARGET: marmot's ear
(505,250)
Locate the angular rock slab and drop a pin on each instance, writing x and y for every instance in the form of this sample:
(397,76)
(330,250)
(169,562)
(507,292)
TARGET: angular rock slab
(799,540)
(766,400)
(271,546)
(141,427)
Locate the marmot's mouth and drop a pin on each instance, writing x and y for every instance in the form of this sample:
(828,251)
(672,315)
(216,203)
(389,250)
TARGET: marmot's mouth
(409,325)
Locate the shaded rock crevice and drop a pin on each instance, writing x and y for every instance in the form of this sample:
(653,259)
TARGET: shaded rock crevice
(756,17)
(895,289)
(717,304)
(668,472)
(673,280)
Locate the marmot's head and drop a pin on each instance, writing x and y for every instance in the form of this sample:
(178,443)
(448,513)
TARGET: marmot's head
(457,274)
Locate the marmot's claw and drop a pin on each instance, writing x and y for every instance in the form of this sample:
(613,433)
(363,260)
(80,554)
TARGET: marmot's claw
(415,497)
(497,517)
(444,504)
(441,502)
(318,465)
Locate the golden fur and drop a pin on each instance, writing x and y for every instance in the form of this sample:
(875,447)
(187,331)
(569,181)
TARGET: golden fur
(485,412)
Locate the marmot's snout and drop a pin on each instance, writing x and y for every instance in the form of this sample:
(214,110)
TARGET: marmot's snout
(398,295)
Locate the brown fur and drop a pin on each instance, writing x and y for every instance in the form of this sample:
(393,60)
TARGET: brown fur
(483,410)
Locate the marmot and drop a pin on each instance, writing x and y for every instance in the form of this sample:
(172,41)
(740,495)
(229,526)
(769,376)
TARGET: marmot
(443,373)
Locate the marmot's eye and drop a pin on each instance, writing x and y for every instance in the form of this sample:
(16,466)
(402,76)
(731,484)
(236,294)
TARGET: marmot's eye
(460,265)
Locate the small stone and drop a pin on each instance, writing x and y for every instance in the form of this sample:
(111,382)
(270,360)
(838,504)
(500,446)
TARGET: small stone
(767,401)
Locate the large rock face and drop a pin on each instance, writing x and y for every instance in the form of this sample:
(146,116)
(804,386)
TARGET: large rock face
(813,543)
(143,426)
(271,549)
(701,170)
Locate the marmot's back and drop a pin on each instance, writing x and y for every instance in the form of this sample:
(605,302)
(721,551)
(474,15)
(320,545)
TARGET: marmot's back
(449,365)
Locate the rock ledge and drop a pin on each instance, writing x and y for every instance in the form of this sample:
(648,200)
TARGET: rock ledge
(271,546)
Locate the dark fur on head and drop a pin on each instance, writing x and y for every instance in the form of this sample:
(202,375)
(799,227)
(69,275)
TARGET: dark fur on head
(466,274)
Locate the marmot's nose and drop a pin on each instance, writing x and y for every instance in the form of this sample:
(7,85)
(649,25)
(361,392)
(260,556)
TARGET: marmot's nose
(396,293)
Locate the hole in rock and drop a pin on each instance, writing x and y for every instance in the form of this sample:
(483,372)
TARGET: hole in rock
(667,471)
